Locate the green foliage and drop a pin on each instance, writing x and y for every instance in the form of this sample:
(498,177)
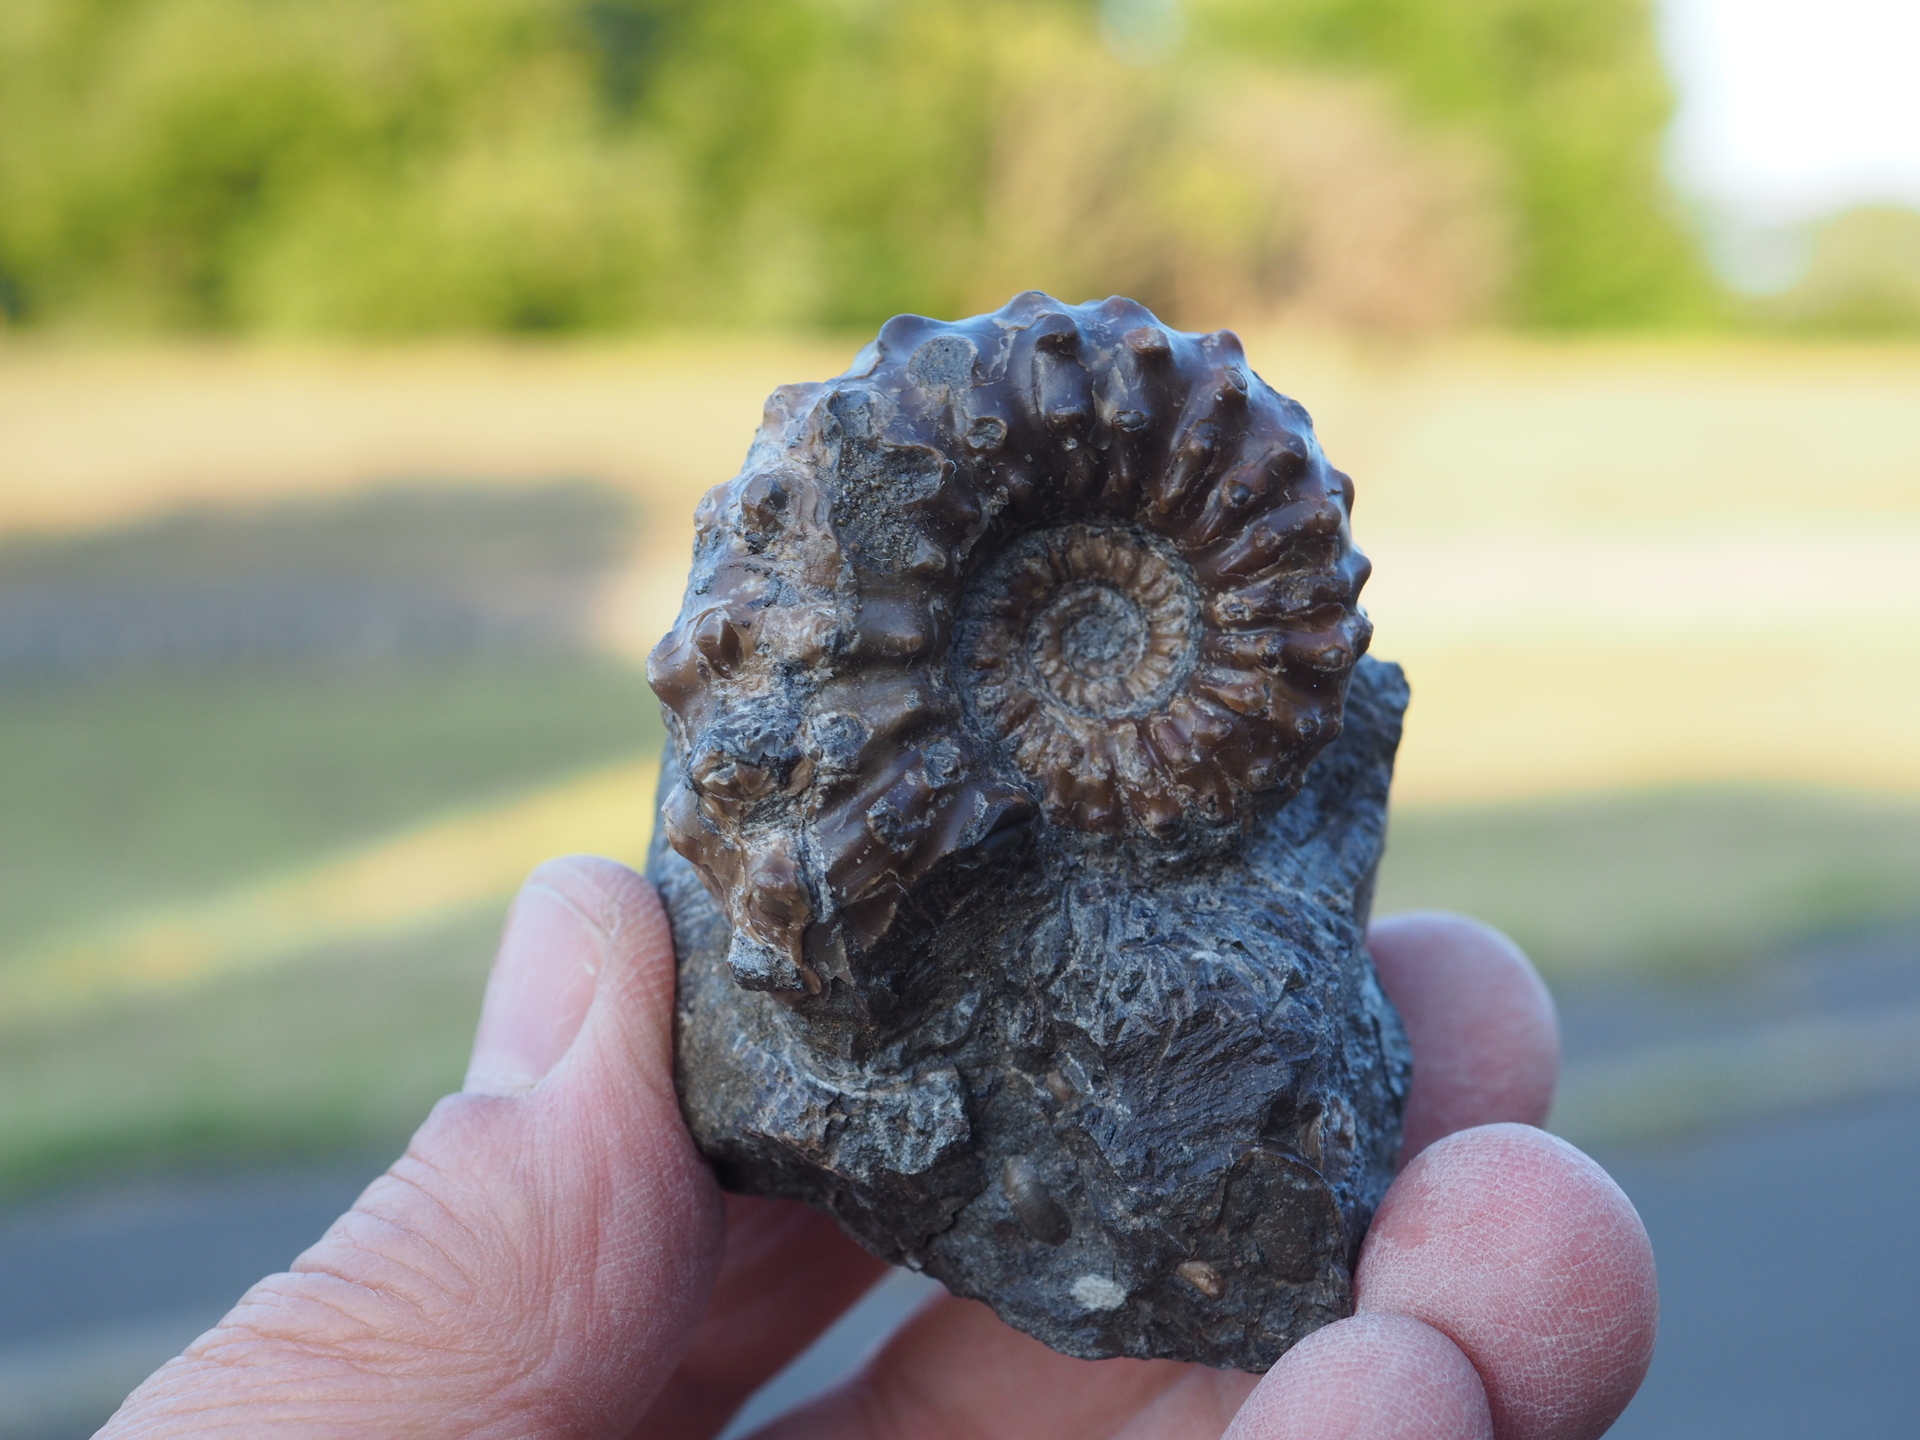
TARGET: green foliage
(1572,96)
(368,166)
(1862,278)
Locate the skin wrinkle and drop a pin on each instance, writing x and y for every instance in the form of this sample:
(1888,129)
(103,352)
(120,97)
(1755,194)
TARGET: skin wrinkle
(410,1235)
(650,1328)
(686,1185)
(356,1344)
(282,1294)
(400,1354)
(236,1347)
(296,1283)
(321,1373)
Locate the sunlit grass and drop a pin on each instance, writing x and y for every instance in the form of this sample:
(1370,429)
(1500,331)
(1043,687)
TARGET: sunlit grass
(344,1052)
(411,881)
(120,795)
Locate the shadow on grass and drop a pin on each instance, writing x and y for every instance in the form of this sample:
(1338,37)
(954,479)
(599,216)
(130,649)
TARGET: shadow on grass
(155,787)
(341,1054)
(1671,885)
(406,570)
(195,700)
(189,703)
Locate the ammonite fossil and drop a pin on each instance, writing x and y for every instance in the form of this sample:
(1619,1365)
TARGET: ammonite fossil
(1024,792)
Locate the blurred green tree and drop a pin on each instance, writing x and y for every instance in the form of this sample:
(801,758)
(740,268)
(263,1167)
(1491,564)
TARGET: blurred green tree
(382,166)
(1571,95)
(1862,277)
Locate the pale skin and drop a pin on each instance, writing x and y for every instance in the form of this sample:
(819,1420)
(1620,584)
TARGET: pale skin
(552,1257)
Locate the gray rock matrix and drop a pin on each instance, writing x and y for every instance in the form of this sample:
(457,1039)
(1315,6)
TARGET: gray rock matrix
(1154,1103)
(1024,793)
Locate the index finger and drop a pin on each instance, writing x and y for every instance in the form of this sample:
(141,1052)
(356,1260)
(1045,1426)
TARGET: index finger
(1485,1037)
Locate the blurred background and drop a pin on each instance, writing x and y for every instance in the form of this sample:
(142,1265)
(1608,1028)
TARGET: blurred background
(361,362)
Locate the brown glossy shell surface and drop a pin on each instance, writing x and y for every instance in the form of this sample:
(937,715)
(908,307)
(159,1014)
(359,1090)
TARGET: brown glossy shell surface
(1057,568)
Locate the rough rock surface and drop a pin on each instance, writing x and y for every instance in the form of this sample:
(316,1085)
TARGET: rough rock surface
(1018,829)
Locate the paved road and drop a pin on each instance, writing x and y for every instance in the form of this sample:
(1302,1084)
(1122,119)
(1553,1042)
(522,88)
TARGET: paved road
(1789,1248)
(1789,1263)
(98,1288)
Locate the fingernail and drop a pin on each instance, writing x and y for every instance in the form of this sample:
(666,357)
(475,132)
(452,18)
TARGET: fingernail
(538,994)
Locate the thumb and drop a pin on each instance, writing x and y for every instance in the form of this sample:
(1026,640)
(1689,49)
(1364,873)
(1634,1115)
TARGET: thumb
(534,1263)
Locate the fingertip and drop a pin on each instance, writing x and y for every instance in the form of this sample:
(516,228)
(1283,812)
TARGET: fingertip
(1525,1254)
(612,1094)
(1481,1021)
(1387,1377)
(542,983)
(620,1071)
(585,978)
(619,901)
(631,1022)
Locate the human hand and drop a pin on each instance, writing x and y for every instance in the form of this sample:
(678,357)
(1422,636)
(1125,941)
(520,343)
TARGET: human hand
(552,1258)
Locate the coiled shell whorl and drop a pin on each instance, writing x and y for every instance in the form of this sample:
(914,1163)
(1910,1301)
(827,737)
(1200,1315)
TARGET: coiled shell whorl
(1056,573)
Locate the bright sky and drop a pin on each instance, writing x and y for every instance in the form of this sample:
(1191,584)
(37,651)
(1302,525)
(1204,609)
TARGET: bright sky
(1791,109)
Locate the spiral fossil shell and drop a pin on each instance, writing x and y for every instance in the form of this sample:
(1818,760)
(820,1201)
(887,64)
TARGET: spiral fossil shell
(1058,569)
(1023,760)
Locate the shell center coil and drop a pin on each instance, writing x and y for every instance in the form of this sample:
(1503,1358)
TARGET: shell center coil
(1094,621)
(1087,646)
(1069,638)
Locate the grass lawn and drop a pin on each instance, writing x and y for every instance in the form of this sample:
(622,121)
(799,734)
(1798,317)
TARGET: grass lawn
(126,792)
(1672,884)
(142,789)
(1607,567)
(343,1052)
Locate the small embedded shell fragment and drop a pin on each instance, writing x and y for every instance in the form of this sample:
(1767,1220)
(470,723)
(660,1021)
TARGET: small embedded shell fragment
(1039,1213)
(1202,1277)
